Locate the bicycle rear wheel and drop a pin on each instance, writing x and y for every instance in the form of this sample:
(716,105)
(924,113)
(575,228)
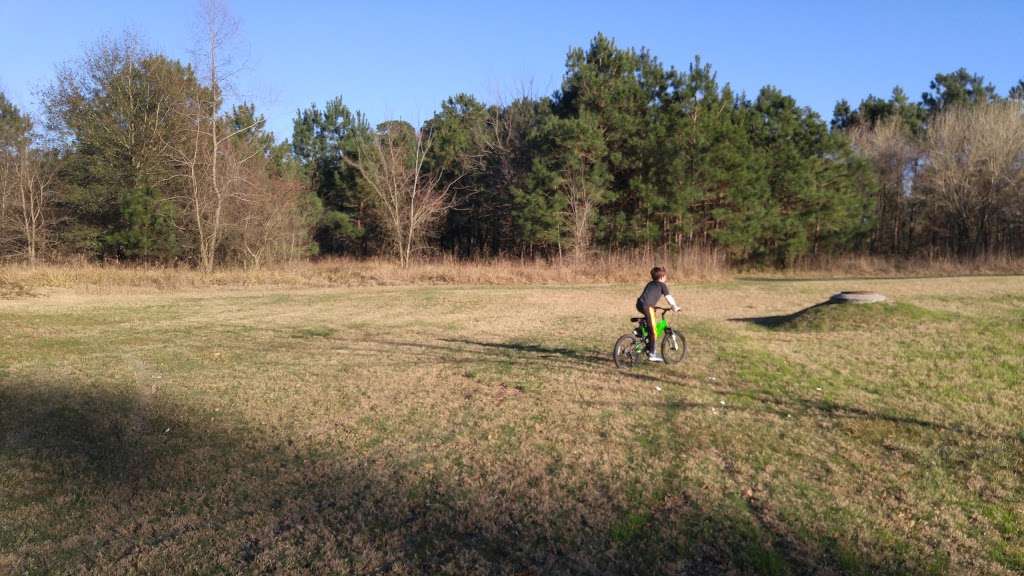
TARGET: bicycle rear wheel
(624,352)
(673,347)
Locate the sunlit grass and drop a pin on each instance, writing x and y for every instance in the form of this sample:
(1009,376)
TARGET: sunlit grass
(485,430)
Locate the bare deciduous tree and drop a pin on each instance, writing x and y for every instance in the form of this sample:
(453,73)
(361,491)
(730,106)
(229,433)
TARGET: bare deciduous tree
(408,198)
(274,217)
(26,185)
(894,154)
(582,198)
(15,141)
(27,174)
(973,181)
(210,167)
(7,188)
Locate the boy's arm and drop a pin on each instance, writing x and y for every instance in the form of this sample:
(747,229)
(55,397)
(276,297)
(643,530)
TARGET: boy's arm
(671,301)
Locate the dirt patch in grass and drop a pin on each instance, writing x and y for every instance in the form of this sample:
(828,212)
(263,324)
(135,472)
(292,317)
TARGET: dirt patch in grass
(314,332)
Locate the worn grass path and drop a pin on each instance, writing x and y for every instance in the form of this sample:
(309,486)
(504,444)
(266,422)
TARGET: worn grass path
(483,430)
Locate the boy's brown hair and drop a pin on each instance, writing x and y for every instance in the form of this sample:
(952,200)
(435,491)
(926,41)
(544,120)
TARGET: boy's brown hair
(658,273)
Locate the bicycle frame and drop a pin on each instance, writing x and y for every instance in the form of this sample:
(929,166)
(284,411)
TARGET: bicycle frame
(629,348)
(660,327)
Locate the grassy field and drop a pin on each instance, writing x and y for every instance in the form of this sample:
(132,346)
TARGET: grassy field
(484,430)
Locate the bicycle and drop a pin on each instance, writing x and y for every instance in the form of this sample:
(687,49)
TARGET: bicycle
(632,347)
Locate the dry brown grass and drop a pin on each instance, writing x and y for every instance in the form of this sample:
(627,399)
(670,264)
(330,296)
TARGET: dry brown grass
(696,265)
(334,272)
(900,267)
(483,430)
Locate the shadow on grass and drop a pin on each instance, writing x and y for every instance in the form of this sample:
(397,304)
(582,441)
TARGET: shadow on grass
(102,436)
(779,320)
(821,409)
(524,355)
(99,481)
(538,351)
(553,358)
(829,409)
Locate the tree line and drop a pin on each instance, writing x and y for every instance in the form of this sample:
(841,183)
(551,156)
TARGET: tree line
(138,159)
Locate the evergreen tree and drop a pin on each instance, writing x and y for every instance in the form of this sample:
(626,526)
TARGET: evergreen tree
(843,116)
(873,110)
(14,126)
(251,128)
(705,160)
(462,138)
(566,186)
(1016,91)
(488,149)
(622,89)
(810,174)
(115,109)
(957,88)
(320,141)
(146,230)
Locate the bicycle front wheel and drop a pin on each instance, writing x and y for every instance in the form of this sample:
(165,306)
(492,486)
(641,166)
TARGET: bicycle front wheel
(624,352)
(673,347)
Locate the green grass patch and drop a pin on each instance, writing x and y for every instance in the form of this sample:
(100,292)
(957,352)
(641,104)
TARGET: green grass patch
(855,317)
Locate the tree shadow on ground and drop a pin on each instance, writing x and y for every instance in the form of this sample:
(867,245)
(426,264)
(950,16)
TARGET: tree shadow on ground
(816,408)
(834,410)
(558,357)
(537,350)
(101,481)
(525,355)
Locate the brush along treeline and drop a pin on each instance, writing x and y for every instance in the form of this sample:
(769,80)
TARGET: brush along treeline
(142,160)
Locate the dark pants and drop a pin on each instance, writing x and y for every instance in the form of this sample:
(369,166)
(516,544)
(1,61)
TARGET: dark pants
(649,320)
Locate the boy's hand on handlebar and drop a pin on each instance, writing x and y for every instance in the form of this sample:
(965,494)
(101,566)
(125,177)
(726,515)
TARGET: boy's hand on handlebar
(676,308)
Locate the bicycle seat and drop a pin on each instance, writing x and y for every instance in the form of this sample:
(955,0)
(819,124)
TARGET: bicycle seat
(636,319)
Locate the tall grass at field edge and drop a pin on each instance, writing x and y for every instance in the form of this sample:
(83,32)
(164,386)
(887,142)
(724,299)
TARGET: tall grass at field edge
(695,265)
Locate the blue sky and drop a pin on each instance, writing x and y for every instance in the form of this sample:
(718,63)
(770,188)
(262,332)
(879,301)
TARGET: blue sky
(401,59)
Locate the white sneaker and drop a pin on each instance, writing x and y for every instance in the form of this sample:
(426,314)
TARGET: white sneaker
(655,358)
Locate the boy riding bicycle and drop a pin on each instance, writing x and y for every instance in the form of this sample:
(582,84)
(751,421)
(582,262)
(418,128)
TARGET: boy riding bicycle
(648,300)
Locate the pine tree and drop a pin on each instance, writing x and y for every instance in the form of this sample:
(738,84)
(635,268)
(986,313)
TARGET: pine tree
(957,88)
(321,139)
